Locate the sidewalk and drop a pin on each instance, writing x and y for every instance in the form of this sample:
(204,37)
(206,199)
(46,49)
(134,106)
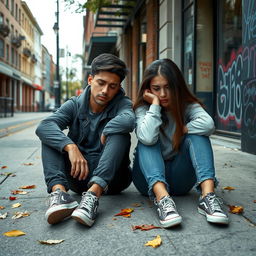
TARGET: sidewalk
(20,121)
(110,235)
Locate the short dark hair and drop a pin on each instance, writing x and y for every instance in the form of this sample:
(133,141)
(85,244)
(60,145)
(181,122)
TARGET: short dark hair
(110,63)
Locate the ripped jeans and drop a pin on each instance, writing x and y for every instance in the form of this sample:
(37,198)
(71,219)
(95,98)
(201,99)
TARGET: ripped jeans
(192,165)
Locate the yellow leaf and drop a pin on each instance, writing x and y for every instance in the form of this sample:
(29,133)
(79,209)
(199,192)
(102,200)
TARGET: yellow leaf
(16,205)
(14,233)
(155,242)
(229,188)
(50,242)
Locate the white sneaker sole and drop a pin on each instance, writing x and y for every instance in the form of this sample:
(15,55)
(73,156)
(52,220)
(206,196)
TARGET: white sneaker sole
(214,219)
(82,218)
(58,213)
(171,222)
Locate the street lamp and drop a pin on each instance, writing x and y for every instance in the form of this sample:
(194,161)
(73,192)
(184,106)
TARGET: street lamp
(57,83)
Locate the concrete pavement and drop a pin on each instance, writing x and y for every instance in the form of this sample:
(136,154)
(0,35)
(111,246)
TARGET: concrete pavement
(110,235)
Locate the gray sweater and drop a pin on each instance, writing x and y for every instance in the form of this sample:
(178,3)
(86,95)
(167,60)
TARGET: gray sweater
(149,121)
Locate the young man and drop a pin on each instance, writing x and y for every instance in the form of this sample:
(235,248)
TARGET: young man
(94,157)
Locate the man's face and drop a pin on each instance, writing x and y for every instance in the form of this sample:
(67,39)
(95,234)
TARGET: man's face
(104,86)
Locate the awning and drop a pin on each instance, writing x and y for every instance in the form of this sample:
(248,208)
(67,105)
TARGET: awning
(38,87)
(101,43)
(115,15)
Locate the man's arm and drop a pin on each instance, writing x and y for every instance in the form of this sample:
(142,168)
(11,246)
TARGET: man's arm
(50,130)
(124,121)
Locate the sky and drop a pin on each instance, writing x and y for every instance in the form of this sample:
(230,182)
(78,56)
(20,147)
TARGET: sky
(70,33)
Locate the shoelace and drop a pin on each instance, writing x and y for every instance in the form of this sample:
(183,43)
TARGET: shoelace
(88,201)
(53,198)
(168,205)
(215,203)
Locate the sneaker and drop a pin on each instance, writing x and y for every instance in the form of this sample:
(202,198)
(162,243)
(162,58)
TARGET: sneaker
(210,206)
(86,212)
(61,205)
(168,215)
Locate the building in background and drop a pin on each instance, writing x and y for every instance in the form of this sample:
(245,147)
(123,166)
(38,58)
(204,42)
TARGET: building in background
(213,42)
(21,74)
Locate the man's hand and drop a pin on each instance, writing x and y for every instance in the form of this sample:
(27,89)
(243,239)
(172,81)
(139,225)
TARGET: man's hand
(79,166)
(151,98)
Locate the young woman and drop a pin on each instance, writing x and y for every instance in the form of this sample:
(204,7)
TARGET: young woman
(174,151)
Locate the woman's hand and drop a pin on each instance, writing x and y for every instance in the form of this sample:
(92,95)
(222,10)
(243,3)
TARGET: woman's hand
(151,98)
(79,166)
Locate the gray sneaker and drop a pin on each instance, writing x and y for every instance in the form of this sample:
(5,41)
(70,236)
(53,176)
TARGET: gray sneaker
(168,215)
(61,205)
(210,206)
(86,212)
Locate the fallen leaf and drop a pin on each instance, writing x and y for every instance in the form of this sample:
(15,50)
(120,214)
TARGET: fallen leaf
(27,164)
(16,205)
(20,192)
(2,207)
(3,216)
(18,215)
(125,212)
(12,198)
(254,201)
(235,209)
(155,242)
(14,233)
(144,227)
(228,188)
(50,242)
(114,218)
(28,187)
(7,174)
(136,205)
(4,167)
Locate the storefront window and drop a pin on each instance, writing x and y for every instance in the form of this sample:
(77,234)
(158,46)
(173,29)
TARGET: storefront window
(188,46)
(229,66)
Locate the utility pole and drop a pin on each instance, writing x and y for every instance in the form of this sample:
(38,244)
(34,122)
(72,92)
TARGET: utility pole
(57,84)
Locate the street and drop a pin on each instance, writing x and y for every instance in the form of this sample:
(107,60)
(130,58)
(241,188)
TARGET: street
(20,153)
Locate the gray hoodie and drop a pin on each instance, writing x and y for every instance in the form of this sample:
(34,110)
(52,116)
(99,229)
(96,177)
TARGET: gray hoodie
(117,118)
(149,121)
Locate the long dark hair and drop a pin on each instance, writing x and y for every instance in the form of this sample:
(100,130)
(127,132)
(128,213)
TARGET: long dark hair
(180,94)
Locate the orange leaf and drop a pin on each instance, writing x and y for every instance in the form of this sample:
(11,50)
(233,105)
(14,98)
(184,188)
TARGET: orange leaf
(28,187)
(136,205)
(12,198)
(27,164)
(14,233)
(125,212)
(20,192)
(229,188)
(155,242)
(144,227)
(4,167)
(2,207)
(235,209)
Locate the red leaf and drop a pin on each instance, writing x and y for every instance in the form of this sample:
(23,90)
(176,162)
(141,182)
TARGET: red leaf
(144,227)
(12,198)
(125,212)
(4,167)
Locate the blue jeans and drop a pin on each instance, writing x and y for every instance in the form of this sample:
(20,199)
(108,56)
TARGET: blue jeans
(192,165)
(110,168)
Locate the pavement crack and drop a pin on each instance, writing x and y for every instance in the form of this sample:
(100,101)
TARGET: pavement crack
(5,178)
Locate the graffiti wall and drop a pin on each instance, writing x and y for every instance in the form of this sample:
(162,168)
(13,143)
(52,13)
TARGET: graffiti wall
(248,139)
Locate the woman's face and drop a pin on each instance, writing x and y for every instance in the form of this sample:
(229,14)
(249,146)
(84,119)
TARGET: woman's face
(159,87)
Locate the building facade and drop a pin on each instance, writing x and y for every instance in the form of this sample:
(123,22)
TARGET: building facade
(214,44)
